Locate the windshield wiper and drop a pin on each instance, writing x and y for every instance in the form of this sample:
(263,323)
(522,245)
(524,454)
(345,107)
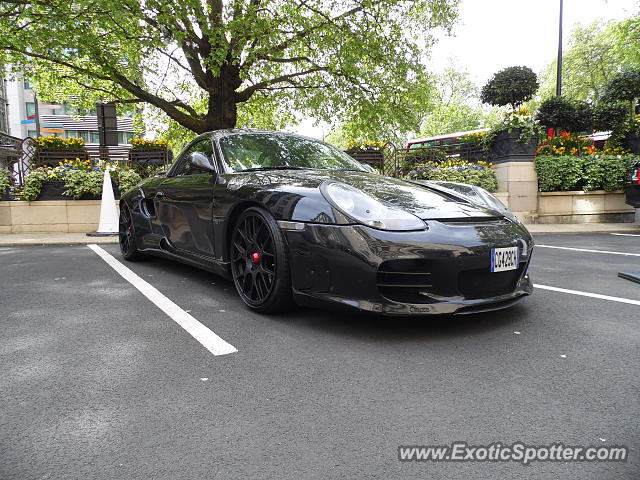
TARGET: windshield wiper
(282,167)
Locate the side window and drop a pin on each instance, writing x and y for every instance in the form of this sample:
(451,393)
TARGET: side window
(186,167)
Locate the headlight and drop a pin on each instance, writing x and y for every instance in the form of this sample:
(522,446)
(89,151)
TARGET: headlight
(367,210)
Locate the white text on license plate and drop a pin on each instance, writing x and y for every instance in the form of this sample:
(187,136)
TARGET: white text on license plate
(504,259)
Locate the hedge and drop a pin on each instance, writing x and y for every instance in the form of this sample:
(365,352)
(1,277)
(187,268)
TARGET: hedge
(472,173)
(592,172)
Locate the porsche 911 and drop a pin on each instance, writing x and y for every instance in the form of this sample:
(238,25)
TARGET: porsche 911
(293,220)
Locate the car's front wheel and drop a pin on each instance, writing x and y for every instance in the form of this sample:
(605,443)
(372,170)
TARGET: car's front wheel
(260,262)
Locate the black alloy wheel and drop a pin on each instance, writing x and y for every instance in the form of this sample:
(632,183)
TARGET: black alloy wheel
(259,262)
(126,235)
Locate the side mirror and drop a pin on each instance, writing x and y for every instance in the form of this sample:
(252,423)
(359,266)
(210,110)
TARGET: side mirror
(201,161)
(368,168)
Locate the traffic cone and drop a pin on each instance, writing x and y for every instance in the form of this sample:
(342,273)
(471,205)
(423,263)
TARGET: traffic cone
(108,225)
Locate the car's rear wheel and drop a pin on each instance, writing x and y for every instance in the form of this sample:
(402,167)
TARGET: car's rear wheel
(260,262)
(126,236)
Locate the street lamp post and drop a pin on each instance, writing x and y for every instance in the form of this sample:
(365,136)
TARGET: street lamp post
(559,68)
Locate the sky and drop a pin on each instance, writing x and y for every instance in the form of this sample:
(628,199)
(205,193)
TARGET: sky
(494,34)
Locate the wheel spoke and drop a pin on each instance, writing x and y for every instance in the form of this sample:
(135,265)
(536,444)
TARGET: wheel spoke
(242,233)
(256,280)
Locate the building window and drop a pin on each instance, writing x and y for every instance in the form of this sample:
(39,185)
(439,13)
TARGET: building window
(31,108)
(26,84)
(4,127)
(72,133)
(31,133)
(124,137)
(83,134)
(95,136)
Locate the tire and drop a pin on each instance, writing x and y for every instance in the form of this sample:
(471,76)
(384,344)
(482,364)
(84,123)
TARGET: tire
(127,236)
(260,262)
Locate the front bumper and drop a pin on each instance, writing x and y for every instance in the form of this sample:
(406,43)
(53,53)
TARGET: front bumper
(442,270)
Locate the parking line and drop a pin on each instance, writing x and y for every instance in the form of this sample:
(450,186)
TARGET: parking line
(588,250)
(197,330)
(626,234)
(587,294)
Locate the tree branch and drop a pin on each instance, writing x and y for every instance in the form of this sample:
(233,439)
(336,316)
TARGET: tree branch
(245,94)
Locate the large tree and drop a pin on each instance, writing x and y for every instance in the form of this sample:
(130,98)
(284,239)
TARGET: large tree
(594,55)
(197,60)
(455,106)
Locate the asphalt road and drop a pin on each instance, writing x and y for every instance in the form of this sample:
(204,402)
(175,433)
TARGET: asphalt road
(98,383)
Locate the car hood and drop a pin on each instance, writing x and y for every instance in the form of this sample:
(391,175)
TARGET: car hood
(425,202)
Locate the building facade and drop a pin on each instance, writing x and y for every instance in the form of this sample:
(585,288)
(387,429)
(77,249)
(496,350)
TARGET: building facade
(9,146)
(55,119)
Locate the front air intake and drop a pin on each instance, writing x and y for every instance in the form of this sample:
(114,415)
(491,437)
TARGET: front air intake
(406,280)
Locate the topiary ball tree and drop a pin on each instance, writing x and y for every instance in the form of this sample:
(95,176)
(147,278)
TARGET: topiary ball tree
(512,86)
(565,114)
(610,116)
(624,86)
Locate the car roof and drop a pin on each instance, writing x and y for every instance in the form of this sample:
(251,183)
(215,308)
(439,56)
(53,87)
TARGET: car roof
(217,134)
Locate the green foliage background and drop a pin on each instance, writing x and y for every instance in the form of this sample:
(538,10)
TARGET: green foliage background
(593,172)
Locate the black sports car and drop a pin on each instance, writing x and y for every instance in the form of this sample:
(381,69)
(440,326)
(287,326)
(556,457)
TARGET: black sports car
(291,218)
(632,187)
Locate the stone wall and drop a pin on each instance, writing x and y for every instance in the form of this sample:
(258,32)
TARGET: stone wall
(50,216)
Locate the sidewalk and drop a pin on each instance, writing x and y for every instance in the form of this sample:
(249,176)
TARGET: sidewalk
(567,228)
(17,239)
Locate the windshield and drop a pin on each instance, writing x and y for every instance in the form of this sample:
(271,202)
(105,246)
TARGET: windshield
(251,151)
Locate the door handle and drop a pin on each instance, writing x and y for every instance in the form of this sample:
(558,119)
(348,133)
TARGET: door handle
(159,194)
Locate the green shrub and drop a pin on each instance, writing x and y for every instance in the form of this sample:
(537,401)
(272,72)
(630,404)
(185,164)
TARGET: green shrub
(593,172)
(624,86)
(33,184)
(559,173)
(82,182)
(511,86)
(457,171)
(565,114)
(5,181)
(610,116)
(604,172)
(127,179)
(521,121)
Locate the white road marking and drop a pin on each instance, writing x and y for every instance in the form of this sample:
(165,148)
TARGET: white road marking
(588,250)
(587,294)
(626,234)
(197,330)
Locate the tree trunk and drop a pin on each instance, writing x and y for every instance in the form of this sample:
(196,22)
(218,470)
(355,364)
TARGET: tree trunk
(222,111)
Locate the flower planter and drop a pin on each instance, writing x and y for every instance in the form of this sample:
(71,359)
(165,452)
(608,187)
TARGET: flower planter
(373,157)
(50,216)
(53,156)
(144,156)
(508,145)
(596,206)
(54,190)
(632,142)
